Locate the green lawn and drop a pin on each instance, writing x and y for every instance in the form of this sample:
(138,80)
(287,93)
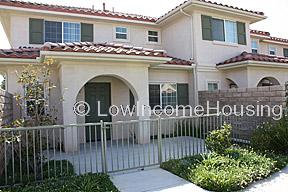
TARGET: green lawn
(231,171)
(84,183)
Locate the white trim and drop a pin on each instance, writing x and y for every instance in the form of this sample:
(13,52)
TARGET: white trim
(127,34)
(18,61)
(169,66)
(75,15)
(253,64)
(274,42)
(213,81)
(105,57)
(152,42)
(269,50)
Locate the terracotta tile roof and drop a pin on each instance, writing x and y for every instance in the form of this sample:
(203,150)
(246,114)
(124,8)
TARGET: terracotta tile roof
(106,48)
(257,32)
(254,57)
(267,34)
(76,10)
(176,61)
(87,47)
(215,3)
(21,52)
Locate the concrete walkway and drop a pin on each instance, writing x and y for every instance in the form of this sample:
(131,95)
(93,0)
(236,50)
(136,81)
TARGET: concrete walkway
(278,182)
(152,180)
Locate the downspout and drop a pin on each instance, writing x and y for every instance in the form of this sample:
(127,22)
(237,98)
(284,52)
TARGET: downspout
(193,55)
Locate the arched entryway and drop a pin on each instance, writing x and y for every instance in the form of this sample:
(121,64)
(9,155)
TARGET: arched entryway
(100,93)
(268,81)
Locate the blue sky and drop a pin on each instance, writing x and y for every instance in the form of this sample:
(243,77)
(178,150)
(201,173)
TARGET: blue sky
(275,10)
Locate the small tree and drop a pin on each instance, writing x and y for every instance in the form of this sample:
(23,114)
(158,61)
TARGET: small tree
(36,81)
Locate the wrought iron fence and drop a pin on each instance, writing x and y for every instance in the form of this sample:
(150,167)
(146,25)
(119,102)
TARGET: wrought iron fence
(38,153)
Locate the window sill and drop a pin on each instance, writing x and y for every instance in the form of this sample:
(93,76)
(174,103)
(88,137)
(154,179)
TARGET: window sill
(122,40)
(226,44)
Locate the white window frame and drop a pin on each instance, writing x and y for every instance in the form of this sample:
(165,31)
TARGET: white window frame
(152,42)
(46,94)
(121,40)
(270,49)
(212,81)
(160,84)
(257,42)
(225,34)
(225,31)
(62,26)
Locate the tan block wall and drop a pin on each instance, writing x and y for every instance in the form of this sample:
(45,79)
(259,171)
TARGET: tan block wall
(6,117)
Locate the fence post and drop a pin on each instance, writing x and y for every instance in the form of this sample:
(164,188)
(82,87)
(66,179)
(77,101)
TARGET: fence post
(286,96)
(159,141)
(103,147)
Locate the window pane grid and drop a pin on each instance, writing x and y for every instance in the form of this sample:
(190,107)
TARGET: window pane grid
(121,33)
(71,32)
(153,36)
(231,32)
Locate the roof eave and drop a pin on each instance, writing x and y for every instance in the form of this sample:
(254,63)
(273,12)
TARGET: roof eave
(251,63)
(253,17)
(76,15)
(104,57)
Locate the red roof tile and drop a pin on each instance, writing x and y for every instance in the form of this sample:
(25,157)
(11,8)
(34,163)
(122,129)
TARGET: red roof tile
(23,53)
(87,47)
(176,61)
(263,33)
(106,48)
(76,10)
(215,3)
(254,57)
(267,34)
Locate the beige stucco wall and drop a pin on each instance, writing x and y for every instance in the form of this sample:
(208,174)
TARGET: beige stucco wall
(103,31)
(177,38)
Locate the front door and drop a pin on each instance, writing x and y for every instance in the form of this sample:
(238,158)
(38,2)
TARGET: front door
(94,93)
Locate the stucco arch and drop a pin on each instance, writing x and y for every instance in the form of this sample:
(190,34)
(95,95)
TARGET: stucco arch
(123,79)
(268,81)
(231,83)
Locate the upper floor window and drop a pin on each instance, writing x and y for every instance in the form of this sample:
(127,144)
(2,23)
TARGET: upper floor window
(272,50)
(41,31)
(285,52)
(231,32)
(71,32)
(254,46)
(121,33)
(153,36)
(223,30)
(53,32)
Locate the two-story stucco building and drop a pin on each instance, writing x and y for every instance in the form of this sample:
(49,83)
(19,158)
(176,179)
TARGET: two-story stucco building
(120,58)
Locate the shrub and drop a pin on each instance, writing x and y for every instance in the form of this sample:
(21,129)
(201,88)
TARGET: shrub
(230,171)
(219,140)
(85,183)
(272,137)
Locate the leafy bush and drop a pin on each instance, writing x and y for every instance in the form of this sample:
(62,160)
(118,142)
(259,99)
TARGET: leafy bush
(57,169)
(272,137)
(219,140)
(84,183)
(230,171)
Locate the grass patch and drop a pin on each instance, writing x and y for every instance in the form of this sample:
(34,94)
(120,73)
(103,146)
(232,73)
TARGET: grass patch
(84,183)
(235,169)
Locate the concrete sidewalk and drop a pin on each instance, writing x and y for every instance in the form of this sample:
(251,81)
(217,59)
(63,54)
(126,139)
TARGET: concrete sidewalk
(278,182)
(156,180)
(159,180)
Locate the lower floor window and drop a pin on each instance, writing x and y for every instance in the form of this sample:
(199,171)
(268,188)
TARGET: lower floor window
(213,86)
(164,94)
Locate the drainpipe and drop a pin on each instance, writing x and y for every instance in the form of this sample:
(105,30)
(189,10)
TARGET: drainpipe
(193,55)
